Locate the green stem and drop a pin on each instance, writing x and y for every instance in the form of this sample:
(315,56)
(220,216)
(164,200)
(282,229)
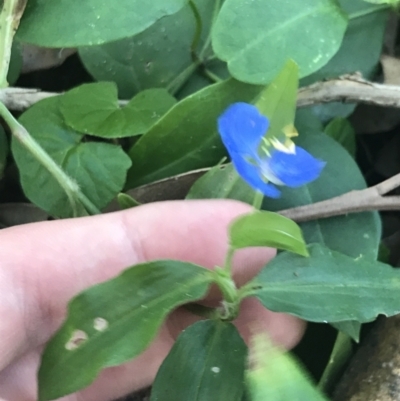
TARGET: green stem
(69,185)
(10,16)
(340,355)
(228,261)
(181,79)
(197,32)
(368,11)
(210,75)
(258,199)
(217,7)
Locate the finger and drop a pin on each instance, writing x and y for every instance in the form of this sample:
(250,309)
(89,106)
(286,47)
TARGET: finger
(56,260)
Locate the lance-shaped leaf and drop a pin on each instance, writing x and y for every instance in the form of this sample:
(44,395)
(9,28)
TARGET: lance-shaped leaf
(186,138)
(112,322)
(278,101)
(329,286)
(263,228)
(206,363)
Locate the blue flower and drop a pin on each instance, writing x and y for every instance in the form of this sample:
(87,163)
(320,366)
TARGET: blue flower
(264,162)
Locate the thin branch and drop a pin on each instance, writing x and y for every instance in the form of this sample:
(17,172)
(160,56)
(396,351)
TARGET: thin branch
(347,89)
(20,99)
(354,201)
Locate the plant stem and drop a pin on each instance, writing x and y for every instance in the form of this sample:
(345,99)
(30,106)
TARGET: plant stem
(228,261)
(207,42)
(181,79)
(368,11)
(198,30)
(258,199)
(212,76)
(69,185)
(10,16)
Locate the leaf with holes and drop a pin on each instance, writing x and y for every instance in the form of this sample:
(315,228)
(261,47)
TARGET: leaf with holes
(113,322)
(206,363)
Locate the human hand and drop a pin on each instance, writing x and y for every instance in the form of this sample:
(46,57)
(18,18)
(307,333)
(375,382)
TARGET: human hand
(44,265)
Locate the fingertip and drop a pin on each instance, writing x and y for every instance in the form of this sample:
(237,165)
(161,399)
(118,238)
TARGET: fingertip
(284,330)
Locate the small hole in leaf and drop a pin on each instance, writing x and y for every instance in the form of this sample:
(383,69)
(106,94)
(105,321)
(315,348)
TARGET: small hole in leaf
(78,338)
(100,324)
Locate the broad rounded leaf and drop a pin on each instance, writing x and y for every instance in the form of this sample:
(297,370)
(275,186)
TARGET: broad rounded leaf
(186,137)
(256,38)
(329,286)
(342,132)
(360,52)
(112,322)
(158,57)
(206,363)
(262,228)
(274,375)
(71,23)
(362,232)
(93,109)
(99,168)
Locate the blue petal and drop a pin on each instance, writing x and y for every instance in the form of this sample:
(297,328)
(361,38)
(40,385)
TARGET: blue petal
(241,127)
(251,174)
(295,169)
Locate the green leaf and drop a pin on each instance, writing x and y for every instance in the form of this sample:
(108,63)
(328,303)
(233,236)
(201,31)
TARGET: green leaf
(71,23)
(99,168)
(222,182)
(93,109)
(275,375)
(186,137)
(3,151)
(112,322)
(329,286)
(126,201)
(342,132)
(353,234)
(160,56)
(257,38)
(278,101)
(360,51)
(206,363)
(266,229)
